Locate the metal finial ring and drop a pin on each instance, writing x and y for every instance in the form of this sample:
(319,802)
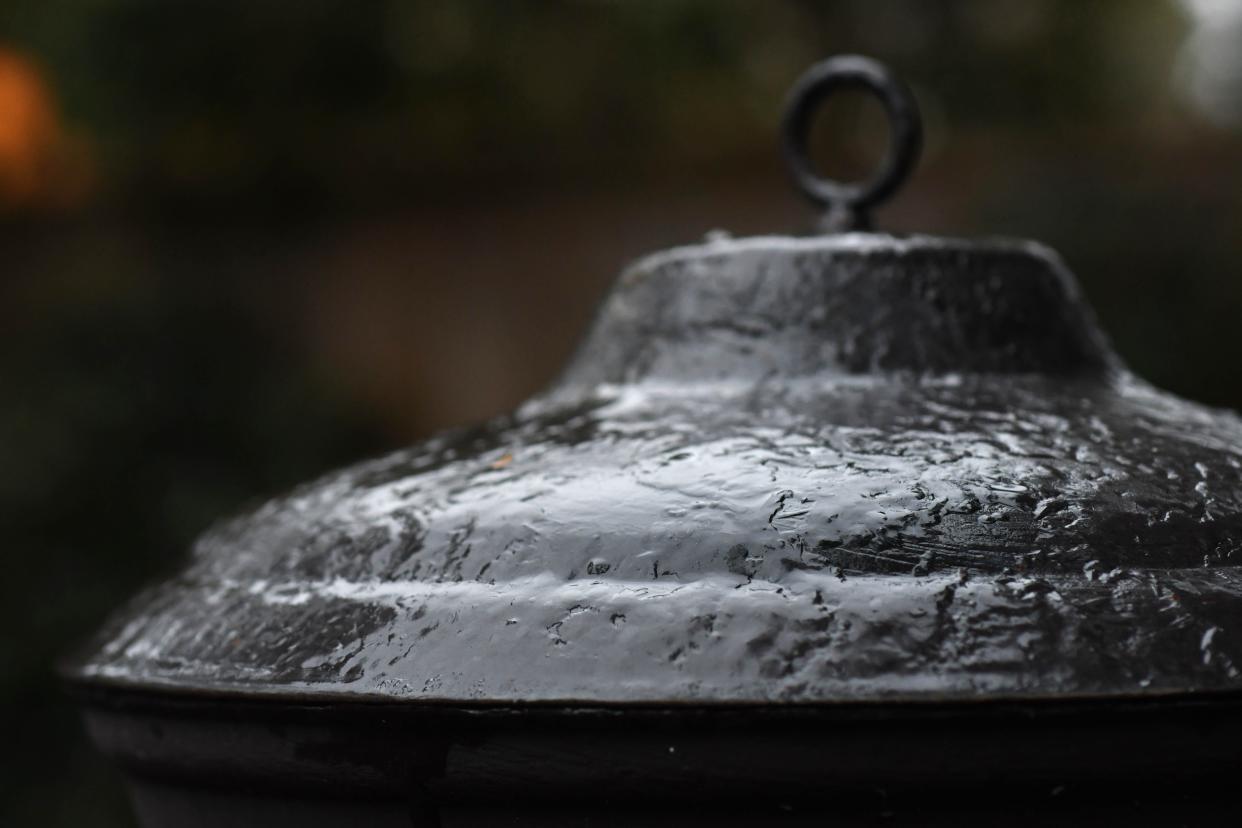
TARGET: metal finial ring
(848,204)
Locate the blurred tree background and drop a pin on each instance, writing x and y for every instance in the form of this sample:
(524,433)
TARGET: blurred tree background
(243,242)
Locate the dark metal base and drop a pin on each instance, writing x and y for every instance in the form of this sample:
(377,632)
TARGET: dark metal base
(159,805)
(200,761)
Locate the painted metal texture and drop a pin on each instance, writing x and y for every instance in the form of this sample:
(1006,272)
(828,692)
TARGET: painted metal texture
(849,468)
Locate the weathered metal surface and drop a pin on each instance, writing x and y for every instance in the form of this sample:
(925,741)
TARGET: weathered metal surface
(838,469)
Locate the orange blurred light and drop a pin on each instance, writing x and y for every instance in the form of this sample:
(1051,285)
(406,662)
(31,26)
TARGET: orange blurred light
(39,166)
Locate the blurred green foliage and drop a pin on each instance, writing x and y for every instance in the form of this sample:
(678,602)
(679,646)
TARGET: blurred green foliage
(353,104)
(153,367)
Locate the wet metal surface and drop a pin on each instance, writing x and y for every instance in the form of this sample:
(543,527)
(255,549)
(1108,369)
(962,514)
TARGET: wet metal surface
(849,468)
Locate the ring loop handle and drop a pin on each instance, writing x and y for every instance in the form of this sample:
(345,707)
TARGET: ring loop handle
(848,204)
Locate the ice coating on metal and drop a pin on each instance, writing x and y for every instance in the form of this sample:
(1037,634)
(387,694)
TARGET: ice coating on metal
(744,310)
(823,470)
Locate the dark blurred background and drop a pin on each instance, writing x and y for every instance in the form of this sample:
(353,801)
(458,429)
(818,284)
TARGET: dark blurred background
(243,241)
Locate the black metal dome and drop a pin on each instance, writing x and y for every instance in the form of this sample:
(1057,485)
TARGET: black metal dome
(779,470)
(806,476)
